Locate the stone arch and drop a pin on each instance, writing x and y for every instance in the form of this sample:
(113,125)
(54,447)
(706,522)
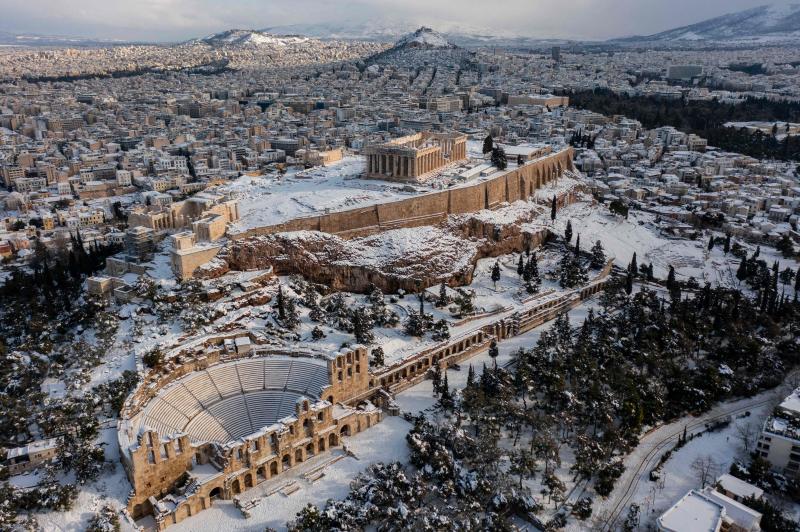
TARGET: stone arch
(236,488)
(345,430)
(321,444)
(273,468)
(216,493)
(248,481)
(261,474)
(333,440)
(286,461)
(298,456)
(310,449)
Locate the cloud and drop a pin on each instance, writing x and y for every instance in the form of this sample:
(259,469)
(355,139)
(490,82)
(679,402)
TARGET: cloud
(166,20)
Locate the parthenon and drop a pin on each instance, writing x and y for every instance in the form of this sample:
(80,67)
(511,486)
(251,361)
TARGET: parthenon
(413,157)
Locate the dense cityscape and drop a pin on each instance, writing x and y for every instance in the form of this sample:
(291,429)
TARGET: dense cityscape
(273,281)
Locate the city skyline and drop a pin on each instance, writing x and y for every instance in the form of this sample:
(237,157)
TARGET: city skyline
(177,20)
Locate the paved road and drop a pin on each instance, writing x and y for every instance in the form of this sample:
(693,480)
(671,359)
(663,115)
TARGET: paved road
(653,444)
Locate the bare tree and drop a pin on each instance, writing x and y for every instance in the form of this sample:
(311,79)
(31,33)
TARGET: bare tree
(706,469)
(747,435)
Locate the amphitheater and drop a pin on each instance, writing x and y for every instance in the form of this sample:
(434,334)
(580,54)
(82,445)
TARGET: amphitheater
(233,400)
(218,424)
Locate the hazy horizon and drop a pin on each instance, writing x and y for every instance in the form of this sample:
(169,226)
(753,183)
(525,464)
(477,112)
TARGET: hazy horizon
(175,20)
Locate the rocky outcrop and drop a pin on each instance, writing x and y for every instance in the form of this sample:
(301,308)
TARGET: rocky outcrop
(409,259)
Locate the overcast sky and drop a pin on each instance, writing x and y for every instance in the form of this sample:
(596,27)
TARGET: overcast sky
(170,20)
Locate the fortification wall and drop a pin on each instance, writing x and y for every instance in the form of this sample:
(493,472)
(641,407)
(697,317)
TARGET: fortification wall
(429,209)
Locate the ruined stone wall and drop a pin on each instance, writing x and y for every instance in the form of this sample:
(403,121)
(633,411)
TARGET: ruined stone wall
(428,209)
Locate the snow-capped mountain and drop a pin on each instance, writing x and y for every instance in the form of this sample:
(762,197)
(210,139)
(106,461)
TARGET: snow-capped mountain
(391,30)
(766,23)
(251,38)
(424,38)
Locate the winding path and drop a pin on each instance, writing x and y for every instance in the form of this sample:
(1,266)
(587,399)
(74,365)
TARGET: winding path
(654,443)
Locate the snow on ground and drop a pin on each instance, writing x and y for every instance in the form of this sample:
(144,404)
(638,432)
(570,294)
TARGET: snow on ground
(267,200)
(723,446)
(640,234)
(275,510)
(111,487)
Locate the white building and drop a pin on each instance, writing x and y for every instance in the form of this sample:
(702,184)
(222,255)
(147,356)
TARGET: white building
(779,442)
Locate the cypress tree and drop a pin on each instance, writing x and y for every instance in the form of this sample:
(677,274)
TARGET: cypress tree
(470,376)
(578,247)
(495,273)
(553,208)
(629,283)
(520,266)
(488,144)
(633,268)
(726,247)
(568,232)
(281,303)
(797,281)
(711,243)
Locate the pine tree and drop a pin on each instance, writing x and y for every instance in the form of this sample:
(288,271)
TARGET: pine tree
(494,352)
(378,359)
(495,274)
(741,271)
(726,247)
(629,283)
(553,208)
(291,318)
(711,243)
(578,246)
(443,299)
(499,158)
(568,232)
(422,304)
(470,376)
(441,331)
(362,326)
(488,144)
(520,266)
(437,378)
(598,256)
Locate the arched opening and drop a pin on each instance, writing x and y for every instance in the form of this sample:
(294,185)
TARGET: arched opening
(286,462)
(216,493)
(236,488)
(298,456)
(345,431)
(310,449)
(248,481)
(321,444)
(273,468)
(333,440)
(261,474)
(330,399)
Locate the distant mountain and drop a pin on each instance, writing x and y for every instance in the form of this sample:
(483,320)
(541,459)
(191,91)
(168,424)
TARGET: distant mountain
(238,37)
(8,38)
(768,23)
(391,30)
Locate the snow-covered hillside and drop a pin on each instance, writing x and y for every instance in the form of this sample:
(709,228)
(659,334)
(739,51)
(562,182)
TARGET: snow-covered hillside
(424,37)
(764,23)
(251,38)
